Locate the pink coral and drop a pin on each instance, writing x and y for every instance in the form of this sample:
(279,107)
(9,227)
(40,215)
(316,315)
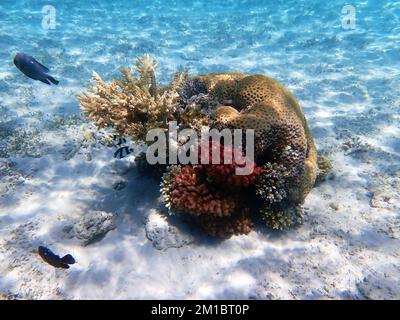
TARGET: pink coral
(225,174)
(188,193)
(212,193)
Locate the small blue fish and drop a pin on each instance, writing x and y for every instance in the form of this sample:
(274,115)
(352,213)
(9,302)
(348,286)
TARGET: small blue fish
(122,152)
(54,260)
(119,140)
(32,68)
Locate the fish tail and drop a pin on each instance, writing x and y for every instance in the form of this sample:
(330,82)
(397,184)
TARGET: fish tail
(68,259)
(54,81)
(45,81)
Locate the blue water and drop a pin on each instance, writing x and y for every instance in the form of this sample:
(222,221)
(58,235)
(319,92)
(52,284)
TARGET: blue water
(301,43)
(346,80)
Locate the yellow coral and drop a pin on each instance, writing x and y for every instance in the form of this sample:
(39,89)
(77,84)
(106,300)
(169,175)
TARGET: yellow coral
(129,105)
(214,80)
(146,66)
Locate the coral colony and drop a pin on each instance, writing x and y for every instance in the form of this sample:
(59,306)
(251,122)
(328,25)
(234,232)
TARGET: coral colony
(264,167)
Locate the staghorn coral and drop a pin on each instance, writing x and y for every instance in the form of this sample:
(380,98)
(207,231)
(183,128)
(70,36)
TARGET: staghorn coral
(132,106)
(146,66)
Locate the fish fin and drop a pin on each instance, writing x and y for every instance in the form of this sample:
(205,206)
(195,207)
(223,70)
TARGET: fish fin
(68,259)
(118,153)
(44,67)
(54,81)
(45,81)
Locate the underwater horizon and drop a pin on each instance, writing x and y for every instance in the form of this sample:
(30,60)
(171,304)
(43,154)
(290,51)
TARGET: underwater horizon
(340,60)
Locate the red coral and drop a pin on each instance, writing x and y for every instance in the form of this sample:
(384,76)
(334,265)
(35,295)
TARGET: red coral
(189,194)
(224,175)
(212,193)
(226,227)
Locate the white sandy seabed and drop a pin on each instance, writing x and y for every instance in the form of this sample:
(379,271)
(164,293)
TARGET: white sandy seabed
(347,248)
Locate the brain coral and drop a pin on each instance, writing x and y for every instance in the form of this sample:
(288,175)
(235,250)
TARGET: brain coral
(281,130)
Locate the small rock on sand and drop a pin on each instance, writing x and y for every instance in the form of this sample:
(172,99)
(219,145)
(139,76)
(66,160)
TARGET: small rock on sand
(92,227)
(162,235)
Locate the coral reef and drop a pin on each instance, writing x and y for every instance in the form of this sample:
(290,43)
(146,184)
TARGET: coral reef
(212,194)
(284,146)
(226,227)
(271,183)
(224,175)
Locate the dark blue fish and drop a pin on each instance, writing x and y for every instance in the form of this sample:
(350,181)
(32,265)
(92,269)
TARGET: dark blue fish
(32,68)
(122,152)
(54,260)
(119,140)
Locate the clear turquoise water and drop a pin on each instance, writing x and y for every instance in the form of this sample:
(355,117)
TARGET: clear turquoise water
(292,40)
(301,43)
(343,78)
(347,81)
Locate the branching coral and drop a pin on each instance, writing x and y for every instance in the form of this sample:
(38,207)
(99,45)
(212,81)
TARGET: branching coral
(226,227)
(132,106)
(224,174)
(146,66)
(324,168)
(185,191)
(212,193)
